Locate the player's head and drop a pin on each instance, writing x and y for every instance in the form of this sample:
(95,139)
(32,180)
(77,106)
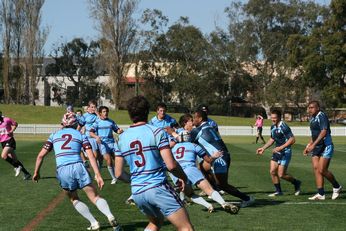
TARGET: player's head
(103,112)
(92,106)
(184,136)
(138,109)
(69,120)
(313,107)
(69,108)
(79,112)
(161,109)
(199,117)
(186,121)
(204,107)
(275,116)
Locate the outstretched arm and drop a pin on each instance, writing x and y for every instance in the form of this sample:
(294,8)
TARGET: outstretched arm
(39,161)
(261,150)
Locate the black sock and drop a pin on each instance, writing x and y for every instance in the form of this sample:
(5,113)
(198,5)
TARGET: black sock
(320,191)
(277,187)
(23,168)
(12,162)
(335,184)
(256,140)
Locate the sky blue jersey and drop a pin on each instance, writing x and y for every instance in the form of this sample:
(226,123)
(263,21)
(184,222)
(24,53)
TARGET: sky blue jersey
(281,134)
(317,124)
(89,119)
(140,146)
(104,128)
(167,121)
(185,153)
(67,144)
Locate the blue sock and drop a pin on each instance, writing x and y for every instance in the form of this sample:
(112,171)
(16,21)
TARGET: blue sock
(320,191)
(277,187)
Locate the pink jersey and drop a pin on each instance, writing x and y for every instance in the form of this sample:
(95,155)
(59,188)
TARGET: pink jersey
(259,122)
(5,128)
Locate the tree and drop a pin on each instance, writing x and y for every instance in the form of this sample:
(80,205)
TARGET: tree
(118,32)
(261,30)
(78,62)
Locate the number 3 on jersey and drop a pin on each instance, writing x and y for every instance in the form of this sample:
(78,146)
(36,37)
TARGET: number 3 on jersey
(138,145)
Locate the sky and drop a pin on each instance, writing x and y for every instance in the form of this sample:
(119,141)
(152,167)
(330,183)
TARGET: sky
(68,19)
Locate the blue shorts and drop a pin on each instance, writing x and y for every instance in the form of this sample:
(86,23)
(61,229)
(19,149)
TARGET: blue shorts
(106,148)
(73,176)
(158,201)
(282,158)
(325,151)
(221,164)
(193,174)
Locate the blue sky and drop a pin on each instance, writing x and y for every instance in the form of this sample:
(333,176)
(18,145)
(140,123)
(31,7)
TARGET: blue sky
(68,19)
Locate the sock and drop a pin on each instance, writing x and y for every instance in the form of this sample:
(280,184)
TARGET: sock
(256,140)
(199,200)
(146,229)
(23,169)
(235,192)
(84,211)
(215,195)
(335,184)
(111,171)
(320,191)
(277,187)
(102,205)
(182,196)
(11,162)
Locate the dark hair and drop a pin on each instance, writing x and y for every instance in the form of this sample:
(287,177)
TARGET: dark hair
(184,119)
(103,107)
(315,102)
(138,109)
(276,112)
(79,110)
(161,105)
(203,107)
(202,114)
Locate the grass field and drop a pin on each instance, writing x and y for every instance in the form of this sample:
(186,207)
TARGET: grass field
(21,201)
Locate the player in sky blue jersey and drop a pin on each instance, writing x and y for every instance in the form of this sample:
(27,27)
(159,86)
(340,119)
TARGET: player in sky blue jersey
(162,120)
(283,138)
(206,136)
(321,148)
(146,149)
(102,130)
(89,119)
(71,173)
(185,153)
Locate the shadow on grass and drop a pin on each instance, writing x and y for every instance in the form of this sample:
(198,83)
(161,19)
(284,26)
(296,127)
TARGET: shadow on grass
(47,177)
(133,226)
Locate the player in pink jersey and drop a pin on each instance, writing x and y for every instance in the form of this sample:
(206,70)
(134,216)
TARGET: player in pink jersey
(8,143)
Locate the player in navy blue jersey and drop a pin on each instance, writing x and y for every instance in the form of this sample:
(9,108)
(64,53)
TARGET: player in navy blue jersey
(102,130)
(321,148)
(211,122)
(283,138)
(146,150)
(71,173)
(206,136)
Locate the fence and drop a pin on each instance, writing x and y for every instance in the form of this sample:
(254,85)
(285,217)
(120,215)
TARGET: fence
(224,130)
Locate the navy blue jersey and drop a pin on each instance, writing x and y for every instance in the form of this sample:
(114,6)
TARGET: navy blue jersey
(208,139)
(317,124)
(281,134)
(213,124)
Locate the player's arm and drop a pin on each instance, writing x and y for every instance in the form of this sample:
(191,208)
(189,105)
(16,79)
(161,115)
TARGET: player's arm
(13,127)
(93,135)
(289,142)
(321,136)
(119,169)
(173,166)
(39,160)
(306,151)
(213,157)
(261,150)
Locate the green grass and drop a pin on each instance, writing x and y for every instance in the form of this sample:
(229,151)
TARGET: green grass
(52,115)
(21,200)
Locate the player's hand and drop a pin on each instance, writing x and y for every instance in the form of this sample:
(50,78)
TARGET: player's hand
(217,154)
(277,150)
(36,177)
(309,147)
(169,130)
(98,140)
(99,181)
(120,130)
(180,185)
(260,151)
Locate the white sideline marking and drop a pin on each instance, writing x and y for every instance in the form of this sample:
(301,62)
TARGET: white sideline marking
(313,203)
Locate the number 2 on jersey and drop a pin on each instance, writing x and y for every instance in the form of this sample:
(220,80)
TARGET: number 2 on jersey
(138,145)
(68,140)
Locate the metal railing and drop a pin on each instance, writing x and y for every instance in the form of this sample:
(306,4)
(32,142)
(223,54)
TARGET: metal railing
(224,130)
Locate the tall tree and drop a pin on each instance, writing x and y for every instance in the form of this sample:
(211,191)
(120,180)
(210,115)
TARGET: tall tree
(118,31)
